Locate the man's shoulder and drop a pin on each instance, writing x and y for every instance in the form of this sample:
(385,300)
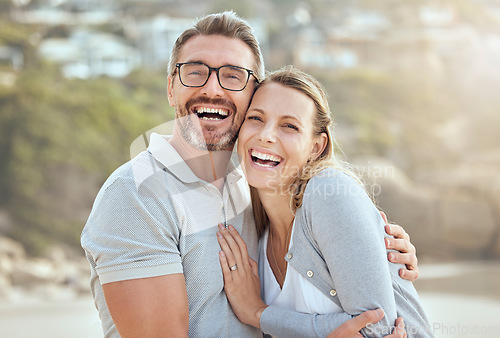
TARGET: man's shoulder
(141,176)
(122,172)
(137,187)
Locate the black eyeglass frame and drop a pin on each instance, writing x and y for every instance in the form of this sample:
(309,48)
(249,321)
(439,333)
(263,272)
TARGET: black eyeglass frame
(216,70)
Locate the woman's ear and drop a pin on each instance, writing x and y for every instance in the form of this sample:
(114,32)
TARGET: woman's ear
(319,145)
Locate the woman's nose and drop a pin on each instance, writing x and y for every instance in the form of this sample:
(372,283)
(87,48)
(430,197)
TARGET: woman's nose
(267,134)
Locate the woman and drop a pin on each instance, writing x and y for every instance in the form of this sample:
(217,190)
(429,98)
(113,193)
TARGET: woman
(321,245)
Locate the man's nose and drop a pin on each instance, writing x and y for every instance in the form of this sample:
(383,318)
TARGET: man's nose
(212,88)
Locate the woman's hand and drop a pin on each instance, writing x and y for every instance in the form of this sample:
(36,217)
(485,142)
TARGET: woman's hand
(407,254)
(241,277)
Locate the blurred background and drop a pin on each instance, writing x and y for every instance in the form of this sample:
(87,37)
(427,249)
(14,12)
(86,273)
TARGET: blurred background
(414,90)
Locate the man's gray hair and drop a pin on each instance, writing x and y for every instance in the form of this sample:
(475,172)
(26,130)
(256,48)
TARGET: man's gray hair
(226,24)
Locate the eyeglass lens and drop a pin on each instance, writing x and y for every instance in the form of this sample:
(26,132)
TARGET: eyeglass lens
(230,77)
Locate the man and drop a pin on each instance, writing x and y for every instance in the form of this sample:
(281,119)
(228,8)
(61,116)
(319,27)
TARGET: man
(151,236)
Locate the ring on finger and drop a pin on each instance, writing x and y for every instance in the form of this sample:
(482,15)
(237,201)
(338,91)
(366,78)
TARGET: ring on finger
(234,267)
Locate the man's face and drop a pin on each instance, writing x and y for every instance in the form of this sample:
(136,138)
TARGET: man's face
(209,117)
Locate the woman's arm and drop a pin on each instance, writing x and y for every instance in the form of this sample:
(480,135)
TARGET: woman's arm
(345,226)
(242,286)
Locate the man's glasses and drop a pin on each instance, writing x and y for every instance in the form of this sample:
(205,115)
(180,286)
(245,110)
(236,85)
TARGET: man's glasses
(196,74)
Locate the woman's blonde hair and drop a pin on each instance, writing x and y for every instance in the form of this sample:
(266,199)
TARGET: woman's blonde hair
(291,77)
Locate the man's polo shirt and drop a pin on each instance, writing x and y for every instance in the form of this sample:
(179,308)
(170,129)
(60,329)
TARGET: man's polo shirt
(154,217)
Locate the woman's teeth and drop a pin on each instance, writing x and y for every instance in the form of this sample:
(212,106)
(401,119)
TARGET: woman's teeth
(265,160)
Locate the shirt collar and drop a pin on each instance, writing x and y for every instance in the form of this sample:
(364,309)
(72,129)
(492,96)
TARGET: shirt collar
(165,153)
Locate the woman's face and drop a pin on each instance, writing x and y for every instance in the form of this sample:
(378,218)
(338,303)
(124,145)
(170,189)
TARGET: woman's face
(276,138)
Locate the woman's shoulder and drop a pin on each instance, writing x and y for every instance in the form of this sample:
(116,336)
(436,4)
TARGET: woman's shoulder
(333,197)
(332,181)
(329,172)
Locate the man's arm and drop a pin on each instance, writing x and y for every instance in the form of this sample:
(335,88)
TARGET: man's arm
(131,240)
(149,307)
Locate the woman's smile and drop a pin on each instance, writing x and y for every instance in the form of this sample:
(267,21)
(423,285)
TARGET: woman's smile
(264,159)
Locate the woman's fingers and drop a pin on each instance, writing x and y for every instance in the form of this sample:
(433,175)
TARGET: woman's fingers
(226,272)
(234,246)
(228,246)
(254,266)
(242,246)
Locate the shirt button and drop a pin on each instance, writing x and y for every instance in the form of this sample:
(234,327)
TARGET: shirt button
(310,273)
(333,293)
(289,255)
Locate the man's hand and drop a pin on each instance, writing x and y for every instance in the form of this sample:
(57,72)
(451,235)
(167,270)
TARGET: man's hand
(407,254)
(352,327)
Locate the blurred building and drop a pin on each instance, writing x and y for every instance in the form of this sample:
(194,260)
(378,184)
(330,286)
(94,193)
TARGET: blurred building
(156,37)
(66,12)
(348,42)
(11,61)
(11,58)
(86,54)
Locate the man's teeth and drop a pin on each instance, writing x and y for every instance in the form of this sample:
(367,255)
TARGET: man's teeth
(204,110)
(266,157)
(210,118)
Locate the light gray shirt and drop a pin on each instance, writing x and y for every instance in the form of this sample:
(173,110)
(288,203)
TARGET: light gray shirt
(338,246)
(154,217)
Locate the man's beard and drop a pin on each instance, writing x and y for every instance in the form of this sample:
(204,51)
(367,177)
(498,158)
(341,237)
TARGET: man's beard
(207,138)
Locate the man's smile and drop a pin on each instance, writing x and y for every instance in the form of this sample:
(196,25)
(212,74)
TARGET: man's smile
(211,114)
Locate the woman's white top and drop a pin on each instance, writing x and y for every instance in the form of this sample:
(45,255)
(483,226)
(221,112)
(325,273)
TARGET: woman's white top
(298,293)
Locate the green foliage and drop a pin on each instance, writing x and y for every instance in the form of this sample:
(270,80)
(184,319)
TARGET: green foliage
(5,6)
(57,134)
(14,34)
